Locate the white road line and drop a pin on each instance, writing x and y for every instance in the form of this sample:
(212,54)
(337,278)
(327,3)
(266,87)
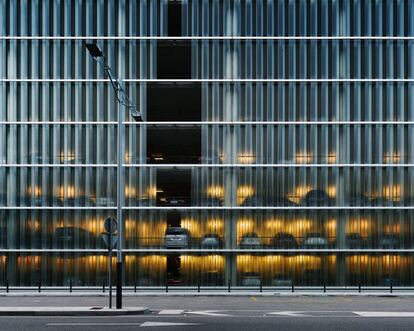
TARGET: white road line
(207,313)
(384,313)
(166,324)
(91,324)
(289,313)
(171,312)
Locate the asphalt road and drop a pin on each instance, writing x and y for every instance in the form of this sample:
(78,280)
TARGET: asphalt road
(226,313)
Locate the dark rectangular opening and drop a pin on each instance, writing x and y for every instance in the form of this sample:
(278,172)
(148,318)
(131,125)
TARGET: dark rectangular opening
(174,59)
(173,188)
(174,18)
(174,102)
(173,145)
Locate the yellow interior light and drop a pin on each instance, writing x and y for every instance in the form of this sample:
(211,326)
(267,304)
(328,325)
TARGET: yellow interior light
(215,191)
(331,157)
(130,191)
(392,192)
(244,192)
(67,156)
(331,191)
(34,190)
(246,158)
(303,157)
(392,157)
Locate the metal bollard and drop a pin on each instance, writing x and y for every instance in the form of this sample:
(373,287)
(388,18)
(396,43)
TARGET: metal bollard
(359,288)
(261,287)
(390,287)
(166,288)
(198,288)
(70,286)
(40,285)
(103,287)
(229,286)
(324,288)
(7,286)
(293,287)
(135,288)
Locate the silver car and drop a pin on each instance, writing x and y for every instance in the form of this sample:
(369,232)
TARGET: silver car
(210,240)
(250,240)
(176,237)
(250,279)
(315,240)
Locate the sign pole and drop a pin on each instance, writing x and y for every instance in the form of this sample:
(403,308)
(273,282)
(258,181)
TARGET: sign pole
(110,239)
(110,268)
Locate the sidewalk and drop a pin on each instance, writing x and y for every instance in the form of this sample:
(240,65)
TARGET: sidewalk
(70,311)
(206,293)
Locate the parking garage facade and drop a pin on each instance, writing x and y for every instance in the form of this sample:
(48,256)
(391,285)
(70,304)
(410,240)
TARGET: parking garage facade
(275,149)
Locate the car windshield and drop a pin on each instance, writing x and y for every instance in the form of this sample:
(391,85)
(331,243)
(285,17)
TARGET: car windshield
(175,231)
(314,235)
(211,235)
(251,234)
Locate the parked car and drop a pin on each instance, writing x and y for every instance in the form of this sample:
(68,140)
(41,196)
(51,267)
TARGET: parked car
(389,240)
(283,240)
(177,237)
(250,279)
(388,281)
(317,198)
(78,201)
(282,280)
(74,237)
(315,240)
(359,200)
(250,240)
(382,202)
(211,240)
(354,240)
(253,201)
(105,201)
(40,201)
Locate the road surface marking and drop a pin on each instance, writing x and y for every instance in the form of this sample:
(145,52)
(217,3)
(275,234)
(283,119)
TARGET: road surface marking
(91,324)
(288,313)
(384,313)
(253,299)
(166,324)
(171,312)
(207,313)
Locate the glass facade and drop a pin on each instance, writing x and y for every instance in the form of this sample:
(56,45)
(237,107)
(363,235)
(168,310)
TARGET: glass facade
(276,144)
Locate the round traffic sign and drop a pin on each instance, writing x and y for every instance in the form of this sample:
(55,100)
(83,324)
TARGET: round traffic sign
(110,225)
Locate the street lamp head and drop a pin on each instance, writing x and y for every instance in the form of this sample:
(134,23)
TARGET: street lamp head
(136,115)
(94,50)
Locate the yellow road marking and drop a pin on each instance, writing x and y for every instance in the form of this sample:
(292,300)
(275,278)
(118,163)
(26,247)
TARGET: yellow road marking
(253,299)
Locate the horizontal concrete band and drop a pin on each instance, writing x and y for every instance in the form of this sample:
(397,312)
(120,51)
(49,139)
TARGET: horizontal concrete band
(70,311)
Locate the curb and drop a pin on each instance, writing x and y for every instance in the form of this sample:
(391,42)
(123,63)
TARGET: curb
(215,294)
(69,311)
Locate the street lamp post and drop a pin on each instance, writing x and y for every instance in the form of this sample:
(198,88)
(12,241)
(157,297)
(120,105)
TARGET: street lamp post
(123,101)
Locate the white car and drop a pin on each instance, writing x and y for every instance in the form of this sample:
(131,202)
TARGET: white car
(250,279)
(210,240)
(315,240)
(176,237)
(250,240)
